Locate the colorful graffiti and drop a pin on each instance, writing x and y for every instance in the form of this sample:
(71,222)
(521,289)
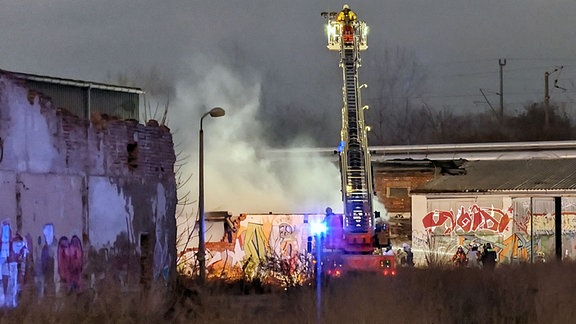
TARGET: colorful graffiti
(544,223)
(257,240)
(477,225)
(50,264)
(471,219)
(13,252)
(517,236)
(70,262)
(44,260)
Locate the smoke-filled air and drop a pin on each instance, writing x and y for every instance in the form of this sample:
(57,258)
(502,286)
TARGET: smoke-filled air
(240,174)
(266,63)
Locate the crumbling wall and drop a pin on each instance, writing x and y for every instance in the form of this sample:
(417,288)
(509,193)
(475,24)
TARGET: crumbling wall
(108,183)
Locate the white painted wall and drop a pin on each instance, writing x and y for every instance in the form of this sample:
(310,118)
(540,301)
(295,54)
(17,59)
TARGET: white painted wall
(25,131)
(110,212)
(7,196)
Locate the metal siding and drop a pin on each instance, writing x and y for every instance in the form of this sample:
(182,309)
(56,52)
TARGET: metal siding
(119,104)
(508,175)
(71,98)
(124,105)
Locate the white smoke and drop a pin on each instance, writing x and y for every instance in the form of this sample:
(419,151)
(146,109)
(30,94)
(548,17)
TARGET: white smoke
(238,175)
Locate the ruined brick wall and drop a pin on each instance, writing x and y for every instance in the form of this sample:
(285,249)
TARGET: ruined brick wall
(108,183)
(393,191)
(386,183)
(132,149)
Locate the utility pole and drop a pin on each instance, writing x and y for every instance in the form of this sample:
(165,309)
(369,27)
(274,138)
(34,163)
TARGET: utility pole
(546,100)
(547,94)
(502,62)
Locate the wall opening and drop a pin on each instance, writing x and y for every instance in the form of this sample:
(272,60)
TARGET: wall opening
(398,192)
(132,149)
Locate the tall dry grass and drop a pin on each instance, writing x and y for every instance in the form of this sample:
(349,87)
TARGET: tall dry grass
(541,293)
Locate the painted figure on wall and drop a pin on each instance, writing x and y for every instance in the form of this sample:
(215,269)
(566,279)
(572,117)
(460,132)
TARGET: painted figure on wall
(13,252)
(70,262)
(6,233)
(255,246)
(44,265)
(259,239)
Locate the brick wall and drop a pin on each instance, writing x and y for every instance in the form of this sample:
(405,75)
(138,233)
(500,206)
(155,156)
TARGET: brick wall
(383,182)
(107,181)
(116,147)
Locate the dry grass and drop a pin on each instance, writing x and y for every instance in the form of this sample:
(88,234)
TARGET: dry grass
(542,293)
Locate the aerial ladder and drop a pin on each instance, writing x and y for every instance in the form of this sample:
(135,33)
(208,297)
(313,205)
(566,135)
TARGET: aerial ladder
(348,35)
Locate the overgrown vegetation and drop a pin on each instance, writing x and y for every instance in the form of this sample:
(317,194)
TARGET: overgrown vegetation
(539,293)
(426,125)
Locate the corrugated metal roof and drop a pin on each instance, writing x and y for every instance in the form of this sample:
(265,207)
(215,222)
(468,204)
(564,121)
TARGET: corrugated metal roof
(74,83)
(466,151)
(507,175)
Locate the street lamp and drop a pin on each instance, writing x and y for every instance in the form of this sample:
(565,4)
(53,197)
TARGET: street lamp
(214,112)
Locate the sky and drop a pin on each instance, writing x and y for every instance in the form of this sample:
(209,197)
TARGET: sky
(266,63)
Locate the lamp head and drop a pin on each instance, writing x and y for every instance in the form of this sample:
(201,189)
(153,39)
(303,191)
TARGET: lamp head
(217,112)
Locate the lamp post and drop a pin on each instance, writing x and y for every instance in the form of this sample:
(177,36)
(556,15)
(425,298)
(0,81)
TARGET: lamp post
(214,112)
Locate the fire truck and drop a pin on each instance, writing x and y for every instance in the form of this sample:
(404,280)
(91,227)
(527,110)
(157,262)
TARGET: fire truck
(350,242)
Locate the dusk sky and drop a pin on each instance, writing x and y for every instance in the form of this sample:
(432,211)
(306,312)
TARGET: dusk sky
(267,64)
(457,43)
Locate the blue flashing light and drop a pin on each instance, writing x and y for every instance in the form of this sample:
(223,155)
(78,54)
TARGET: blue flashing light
(341,146)
(317,228)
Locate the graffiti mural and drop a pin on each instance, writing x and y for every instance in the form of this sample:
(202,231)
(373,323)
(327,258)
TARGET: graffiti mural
(255,240)
(517,234)
(13,253)
(50,264)
(70,262)
(472,225)
(44,260)
(470,219)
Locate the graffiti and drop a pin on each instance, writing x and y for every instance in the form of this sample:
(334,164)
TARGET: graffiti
(544,223)
(283,240)
(259,240)
(44,256)
(515,247)
(517,236)
(472,219)
(285,230)
(522,224)
(47,259)
(13,253)
(70,262)
(255,245)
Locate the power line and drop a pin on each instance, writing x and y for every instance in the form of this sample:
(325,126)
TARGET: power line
(472,74)
(543,59)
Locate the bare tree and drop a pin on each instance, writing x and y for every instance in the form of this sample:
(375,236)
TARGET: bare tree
(156,103)
(529,125)
(395,78)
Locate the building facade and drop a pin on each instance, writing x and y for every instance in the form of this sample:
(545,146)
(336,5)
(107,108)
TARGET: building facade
(525,209)
(84,203)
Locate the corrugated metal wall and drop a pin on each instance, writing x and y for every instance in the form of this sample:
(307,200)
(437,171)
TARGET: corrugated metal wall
(124,105)
(73,99)
(114,103)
